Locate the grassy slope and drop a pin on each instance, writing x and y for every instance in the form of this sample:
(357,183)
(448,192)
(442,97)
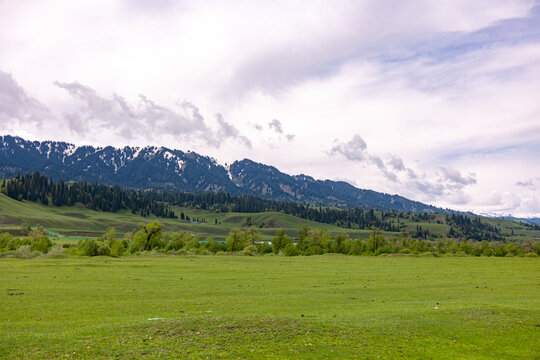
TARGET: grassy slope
(270,307)
(80,221)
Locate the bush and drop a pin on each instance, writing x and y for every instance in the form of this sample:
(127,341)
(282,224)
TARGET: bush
(290,250)
(103,249)
(42,244)
(117,248)
(250,250)
(24,252)
(264,248)
(487,252)
(56,252)
(500,251)
(5,238)
(148,237)
(89,247)
(202,251)
(357,247)
(8,254)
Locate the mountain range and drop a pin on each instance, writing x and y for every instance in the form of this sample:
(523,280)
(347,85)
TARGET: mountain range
(160,167)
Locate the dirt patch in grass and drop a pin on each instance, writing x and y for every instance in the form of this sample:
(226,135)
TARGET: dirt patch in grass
(9,220)
(226,338)
(76,215)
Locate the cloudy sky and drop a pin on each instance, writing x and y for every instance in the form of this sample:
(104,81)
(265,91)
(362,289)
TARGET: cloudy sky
(435,100)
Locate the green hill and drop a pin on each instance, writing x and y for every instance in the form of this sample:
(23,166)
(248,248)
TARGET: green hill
(78,221)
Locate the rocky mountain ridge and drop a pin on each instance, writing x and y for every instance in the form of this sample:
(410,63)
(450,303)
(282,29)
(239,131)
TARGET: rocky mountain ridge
(160,167)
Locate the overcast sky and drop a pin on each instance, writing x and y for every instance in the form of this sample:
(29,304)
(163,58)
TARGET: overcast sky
(435,100)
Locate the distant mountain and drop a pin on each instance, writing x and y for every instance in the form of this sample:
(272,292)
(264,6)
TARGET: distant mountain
(532,221)
(153,167)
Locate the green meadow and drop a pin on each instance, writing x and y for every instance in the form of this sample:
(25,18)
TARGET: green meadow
(230,307)
(78,222)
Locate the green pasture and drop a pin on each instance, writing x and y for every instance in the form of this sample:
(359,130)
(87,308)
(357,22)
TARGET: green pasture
(231,307)
(76,221)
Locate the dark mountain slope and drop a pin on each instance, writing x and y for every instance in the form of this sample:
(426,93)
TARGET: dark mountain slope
(152,167)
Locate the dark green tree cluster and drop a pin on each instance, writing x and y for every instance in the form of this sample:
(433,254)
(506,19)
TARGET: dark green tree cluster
(157,202)
(472,228)
(37,187)
(29,187)
(224,202)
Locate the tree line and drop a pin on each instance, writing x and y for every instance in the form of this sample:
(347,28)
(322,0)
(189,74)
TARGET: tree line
(150,237)
(38,188)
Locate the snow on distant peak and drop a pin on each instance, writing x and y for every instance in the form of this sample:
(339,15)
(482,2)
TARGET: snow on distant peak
(70,150)
(168,155)
(137,152)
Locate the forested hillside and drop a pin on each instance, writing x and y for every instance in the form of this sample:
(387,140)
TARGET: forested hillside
(162,168)
(162,203)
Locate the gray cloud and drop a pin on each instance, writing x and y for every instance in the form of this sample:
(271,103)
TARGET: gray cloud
(227,130)
(447,182)
(145,118)
(453,176)
(387,173)
(396,163)
(275,125)
(530,184)
(17,108)
(355,149)
(411,174)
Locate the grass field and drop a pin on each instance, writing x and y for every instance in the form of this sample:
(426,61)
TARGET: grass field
(215,307)
(77,221)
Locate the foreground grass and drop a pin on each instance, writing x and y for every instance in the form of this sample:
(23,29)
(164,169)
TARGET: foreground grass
(270,307)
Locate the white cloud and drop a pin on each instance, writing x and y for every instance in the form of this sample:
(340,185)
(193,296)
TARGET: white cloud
(429,85)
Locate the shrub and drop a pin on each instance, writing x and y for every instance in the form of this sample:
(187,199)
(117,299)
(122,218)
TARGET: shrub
(280,241)
(117,248)
(56,252)
(250,250)
(103,249)
(357,247)
(5,238)
(264,248)
(148,237)
(500,251)
(290,250)
(236,241)
(89,247)
(8,254)
(487,252)
(203,251)
(42,244)
(24,252)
